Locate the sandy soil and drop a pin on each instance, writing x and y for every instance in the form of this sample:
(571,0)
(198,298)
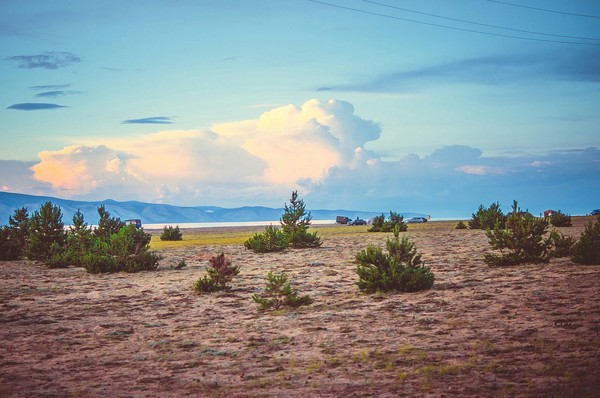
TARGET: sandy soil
(531,330)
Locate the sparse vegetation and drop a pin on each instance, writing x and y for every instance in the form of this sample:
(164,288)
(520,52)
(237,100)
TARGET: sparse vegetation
(219,274)
(395,221)
(587,249)
(278,293)
(521,241)
(560,245)
(401,269)
(171,233)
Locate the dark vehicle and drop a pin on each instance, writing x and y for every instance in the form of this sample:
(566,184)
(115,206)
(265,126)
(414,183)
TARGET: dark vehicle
(341,220)
(416,220)
(549,213)
(595,212)
(358,221)
(134,221)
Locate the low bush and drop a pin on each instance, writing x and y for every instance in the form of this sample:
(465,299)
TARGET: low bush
(587,249)
(125,251)
(170,233)
(395,221)
(488,218)
(521,241)
(400,269)
(559,219)
(560,245)
(219,274)
(461,225)
(272,240)
(279,293)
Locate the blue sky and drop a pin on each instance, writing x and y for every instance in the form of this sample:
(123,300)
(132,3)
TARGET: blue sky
(429,106)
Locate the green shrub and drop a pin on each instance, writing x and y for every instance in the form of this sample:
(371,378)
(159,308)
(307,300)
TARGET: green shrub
(272,240)
(219,274)
(522,241)
(559,219)
(295,222)
(461,225)
(79,240)
(401,269)
(125,251)
(107,225)
(395,221)
(9,247)
(279,293)
(587,248)
(170,233)
(488,218)
(560,245)
(46,233)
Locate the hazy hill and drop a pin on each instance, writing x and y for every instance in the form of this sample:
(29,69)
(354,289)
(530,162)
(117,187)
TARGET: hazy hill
(152,213)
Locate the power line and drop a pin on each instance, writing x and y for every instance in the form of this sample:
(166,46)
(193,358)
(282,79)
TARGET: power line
(450,27)
(545,9)
(478,23)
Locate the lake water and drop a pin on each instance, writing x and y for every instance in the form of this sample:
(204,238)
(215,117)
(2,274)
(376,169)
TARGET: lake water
(227,224)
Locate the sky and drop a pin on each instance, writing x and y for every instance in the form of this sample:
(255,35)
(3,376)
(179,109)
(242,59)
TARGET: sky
(432,106)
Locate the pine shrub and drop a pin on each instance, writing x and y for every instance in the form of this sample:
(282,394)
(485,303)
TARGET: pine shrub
(295,222)
(461,225)
(395,221)
(279,293)
(587,249)
(272,240)
(522,241)
(219,274)
(559,244)
(488,218)
(559,219)
(46,233)
(170,233)
(125,251)
(400,269)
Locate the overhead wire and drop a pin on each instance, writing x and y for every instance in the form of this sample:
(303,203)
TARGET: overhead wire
(545,9)
(450,27)
(478,23)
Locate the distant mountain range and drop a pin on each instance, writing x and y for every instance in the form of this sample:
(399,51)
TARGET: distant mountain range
(152,213)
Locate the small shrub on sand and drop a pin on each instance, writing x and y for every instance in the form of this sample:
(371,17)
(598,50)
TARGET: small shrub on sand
(461,225)
(295,222)
(401,269)
(272,240)
(488,218)
(279,293)
(587,249)
(522,241)
(560,245)
(219,274)
(170,233)
(559,219)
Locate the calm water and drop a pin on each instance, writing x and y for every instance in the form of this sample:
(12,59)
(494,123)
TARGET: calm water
(227,224)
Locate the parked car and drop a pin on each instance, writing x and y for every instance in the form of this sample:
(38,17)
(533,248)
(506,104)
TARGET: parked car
(416,220)
(549,213)
(595,212)
(358,221)
(341,220)
(134,221)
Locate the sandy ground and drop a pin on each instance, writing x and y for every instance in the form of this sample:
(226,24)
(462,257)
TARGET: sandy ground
(531,330)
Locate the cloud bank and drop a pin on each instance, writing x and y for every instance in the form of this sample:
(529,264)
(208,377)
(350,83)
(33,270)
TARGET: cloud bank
(319,149)
(150,120)
(47,60)
(35,106)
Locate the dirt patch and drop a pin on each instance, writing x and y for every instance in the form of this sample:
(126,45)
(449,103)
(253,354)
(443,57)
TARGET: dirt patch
(531,330)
